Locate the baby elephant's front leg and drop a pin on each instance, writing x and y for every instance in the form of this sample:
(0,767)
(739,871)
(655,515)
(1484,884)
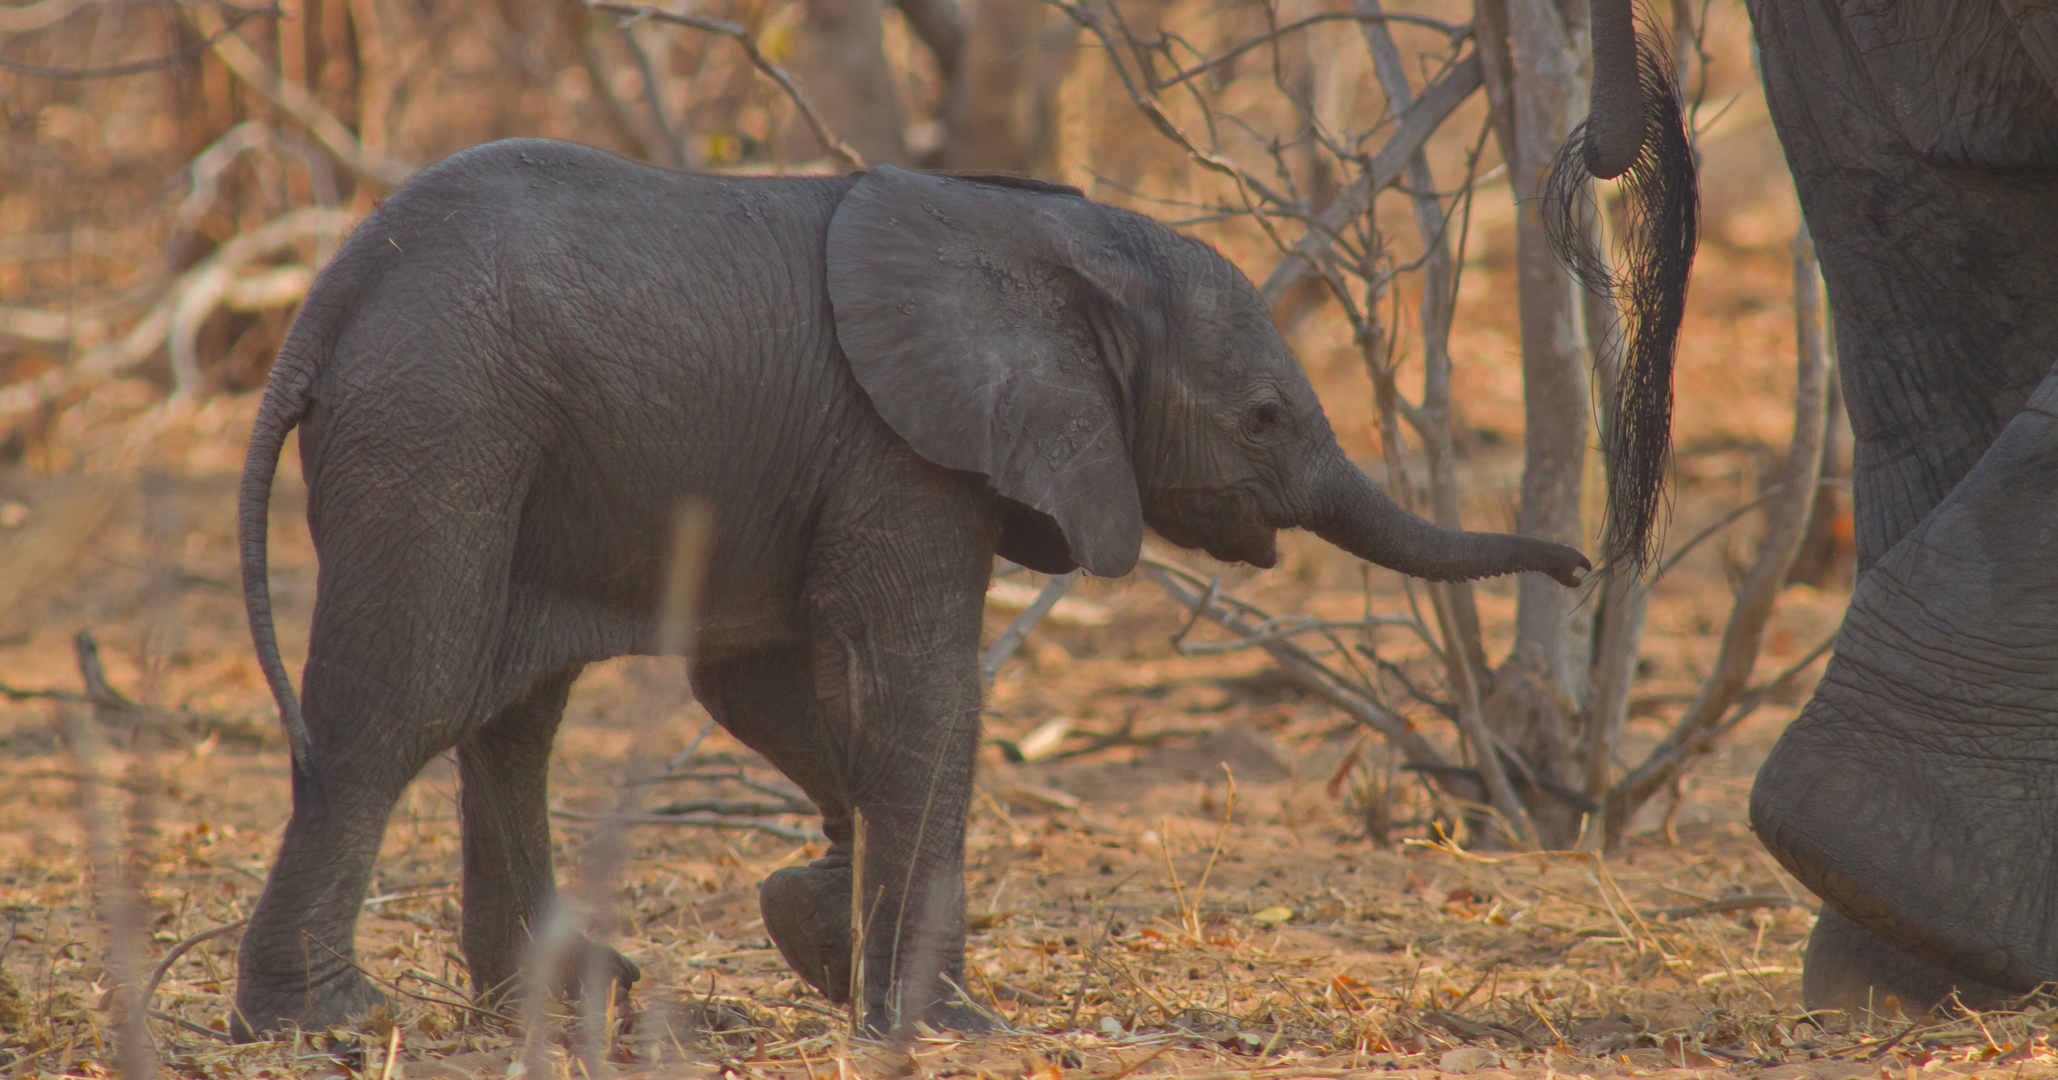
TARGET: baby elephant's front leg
(914,926)
(896,671)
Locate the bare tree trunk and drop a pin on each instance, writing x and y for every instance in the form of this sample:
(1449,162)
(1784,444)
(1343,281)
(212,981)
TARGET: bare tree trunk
(1550,97)
(841,51)
(1539,690)
(940,24)
(990,126)
(1536,81)
(1002,110)
(1829,552)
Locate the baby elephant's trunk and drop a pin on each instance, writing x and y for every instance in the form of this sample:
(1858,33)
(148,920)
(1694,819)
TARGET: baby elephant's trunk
(1352,513)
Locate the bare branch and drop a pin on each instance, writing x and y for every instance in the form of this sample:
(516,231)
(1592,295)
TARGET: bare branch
(1285,627)
(758,59)
(1432,420)
(1671,758)
(1011,638)
(137,67)
(1184,587)
(1716,526)
(1145,98)
(297,102)
(182,309)
(1455,31)
(31,17)
(1420,121)
(171,956)
(653,95)
(1472,721)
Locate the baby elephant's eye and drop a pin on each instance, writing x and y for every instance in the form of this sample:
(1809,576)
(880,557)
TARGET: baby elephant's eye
(1264,416)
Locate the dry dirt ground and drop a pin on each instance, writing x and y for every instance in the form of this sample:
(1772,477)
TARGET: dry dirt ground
(1190,882)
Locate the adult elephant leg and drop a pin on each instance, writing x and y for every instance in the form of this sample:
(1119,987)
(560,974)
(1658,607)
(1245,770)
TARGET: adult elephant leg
(1924,159)
(1850,968)
(767,700)
(1915,792)
(509,889)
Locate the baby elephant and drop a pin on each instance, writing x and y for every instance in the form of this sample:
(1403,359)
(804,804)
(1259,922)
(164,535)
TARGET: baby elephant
(519,367)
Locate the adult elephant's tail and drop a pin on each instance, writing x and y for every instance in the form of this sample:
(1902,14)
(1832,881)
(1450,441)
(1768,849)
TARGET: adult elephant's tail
(1635,129)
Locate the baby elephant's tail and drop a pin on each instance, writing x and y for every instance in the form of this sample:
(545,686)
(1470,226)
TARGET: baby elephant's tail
(285,403)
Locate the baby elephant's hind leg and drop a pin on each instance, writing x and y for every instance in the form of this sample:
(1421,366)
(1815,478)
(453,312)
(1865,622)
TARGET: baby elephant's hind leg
(509,888)
(767,701)
(296,964)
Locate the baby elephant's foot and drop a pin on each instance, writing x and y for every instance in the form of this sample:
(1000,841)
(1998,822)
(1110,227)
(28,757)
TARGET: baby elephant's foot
(807,914)
(261,1010)
(591,964)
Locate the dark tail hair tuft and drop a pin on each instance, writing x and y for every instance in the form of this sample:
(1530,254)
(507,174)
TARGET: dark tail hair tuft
(1661,199)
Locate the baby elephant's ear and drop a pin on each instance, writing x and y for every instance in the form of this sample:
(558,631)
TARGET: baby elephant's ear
(968,313)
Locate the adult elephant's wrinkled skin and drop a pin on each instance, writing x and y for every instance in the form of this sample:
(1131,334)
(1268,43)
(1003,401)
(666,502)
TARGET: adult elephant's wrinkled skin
(518,368)
(1917,793)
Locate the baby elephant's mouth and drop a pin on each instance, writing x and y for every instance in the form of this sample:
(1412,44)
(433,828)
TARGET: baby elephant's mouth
(1223,524)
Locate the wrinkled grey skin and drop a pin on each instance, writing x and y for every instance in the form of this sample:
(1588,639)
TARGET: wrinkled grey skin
(1917,794)
(517,368)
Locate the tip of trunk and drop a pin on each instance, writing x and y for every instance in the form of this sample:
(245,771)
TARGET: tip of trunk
(1362,520)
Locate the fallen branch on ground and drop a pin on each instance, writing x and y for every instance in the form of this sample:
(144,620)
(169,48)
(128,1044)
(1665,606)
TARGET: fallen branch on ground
(1725,905)
(172,955)
(786,832)
(726,808)
(110,704)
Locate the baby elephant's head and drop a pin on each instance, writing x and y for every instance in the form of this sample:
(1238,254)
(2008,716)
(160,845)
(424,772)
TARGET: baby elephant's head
(1104,372)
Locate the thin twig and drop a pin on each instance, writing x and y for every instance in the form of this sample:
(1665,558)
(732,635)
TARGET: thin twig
(1297,663)
(1288,626)
(158,63)
(489,1013)
(1454,31)
(179,312)
(182,1022)
(758,59)
(299,103)
(1714,527)
(1726,905)
(1417,124)
(172,955)
(1011,639)
(787,832)
(1671,756)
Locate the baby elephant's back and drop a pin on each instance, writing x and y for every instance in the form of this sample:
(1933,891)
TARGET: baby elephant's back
(537,267)
(541,332)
